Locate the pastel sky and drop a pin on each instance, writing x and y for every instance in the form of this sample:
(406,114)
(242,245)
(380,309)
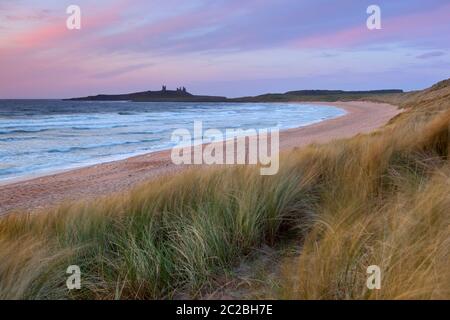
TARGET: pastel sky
(220,47)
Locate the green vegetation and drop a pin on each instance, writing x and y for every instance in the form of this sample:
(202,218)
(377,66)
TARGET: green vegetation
(380,199)
(322,95)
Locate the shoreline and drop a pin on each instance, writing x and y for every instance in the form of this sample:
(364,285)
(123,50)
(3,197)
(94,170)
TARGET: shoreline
(51,172)
(88,182)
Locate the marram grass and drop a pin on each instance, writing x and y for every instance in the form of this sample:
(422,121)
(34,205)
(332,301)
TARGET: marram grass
(379,199)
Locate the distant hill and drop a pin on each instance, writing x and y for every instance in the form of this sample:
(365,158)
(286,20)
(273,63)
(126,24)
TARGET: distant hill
(339,92)
(317,95)
(181,95)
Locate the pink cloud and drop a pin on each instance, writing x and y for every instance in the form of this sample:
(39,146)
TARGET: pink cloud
(55,31)
(165,29)
(41,36)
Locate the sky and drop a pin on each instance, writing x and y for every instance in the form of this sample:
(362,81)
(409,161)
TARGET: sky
(220,47)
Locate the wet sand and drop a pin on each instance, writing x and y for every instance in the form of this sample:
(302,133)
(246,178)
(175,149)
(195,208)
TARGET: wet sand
(107,178)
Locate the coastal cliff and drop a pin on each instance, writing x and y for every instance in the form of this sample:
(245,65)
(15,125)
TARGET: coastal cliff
(164,95)
(182,95)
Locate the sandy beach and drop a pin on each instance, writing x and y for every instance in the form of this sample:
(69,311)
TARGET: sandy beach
(107,178)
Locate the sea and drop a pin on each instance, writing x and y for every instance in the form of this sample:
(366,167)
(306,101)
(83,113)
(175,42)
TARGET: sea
(43,136)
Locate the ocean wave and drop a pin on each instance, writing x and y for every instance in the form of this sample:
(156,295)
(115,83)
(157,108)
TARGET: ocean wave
(99,127)
(73,149)
(142,132)
(17,139)
(23,131)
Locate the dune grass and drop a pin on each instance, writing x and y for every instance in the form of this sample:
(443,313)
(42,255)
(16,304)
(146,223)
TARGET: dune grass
(380,199)
(164,237)
(385,202)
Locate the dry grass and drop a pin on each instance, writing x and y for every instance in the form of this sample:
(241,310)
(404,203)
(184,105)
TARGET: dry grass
(385,202)
(160,239)
(377,199)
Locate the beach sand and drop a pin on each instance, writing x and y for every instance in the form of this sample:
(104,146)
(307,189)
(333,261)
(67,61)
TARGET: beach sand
(107,178)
